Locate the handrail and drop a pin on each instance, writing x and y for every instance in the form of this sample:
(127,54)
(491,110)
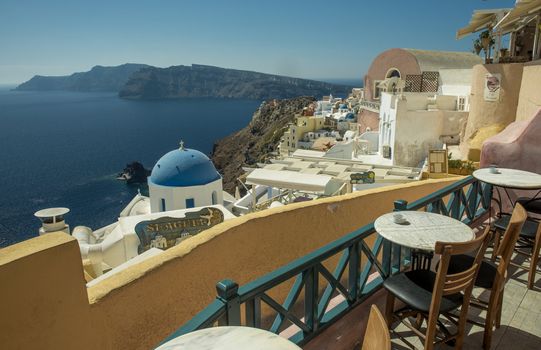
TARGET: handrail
(309,271)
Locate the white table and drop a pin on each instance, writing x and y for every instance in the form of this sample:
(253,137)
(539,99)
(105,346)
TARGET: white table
(509,178)
(229,338)
(422,229)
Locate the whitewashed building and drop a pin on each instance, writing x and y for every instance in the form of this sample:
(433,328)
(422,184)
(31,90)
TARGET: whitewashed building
(413,123)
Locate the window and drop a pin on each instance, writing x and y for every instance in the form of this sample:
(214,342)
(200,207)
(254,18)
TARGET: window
(214,197)
(392,73)
(377,90)
(461,103)
(190,203)
(162,205)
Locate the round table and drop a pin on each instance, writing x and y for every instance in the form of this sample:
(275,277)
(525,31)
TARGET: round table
(229,338)
(509,178)
(421,230)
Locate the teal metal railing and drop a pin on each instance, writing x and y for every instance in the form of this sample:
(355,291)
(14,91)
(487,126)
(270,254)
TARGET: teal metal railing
(313,285)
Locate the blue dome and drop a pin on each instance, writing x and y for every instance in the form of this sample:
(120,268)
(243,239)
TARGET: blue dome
(183,167)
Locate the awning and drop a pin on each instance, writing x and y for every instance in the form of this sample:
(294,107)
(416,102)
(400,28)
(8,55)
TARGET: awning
(291,180)
(482,19)
(525,9)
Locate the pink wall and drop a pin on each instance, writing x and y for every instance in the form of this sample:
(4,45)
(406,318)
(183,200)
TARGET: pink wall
(517,147)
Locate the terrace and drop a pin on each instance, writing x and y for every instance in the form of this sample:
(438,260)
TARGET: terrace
(325,309)
(316,293)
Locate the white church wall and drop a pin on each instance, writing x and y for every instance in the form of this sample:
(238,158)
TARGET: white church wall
(175,197)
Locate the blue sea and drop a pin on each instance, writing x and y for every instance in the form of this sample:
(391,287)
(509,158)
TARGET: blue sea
(66,148)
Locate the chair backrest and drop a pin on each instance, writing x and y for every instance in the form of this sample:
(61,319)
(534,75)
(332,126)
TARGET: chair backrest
(445,283)
(510,237)
(377,336)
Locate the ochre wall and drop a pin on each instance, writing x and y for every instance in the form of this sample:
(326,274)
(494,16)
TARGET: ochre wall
(529,100)
(43,297)
(487,118)
(140,306)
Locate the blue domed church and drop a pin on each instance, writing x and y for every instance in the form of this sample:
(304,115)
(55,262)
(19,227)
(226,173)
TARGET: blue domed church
(184,178)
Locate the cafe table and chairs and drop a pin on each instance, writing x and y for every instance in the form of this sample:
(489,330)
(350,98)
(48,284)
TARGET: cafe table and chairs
(229,338)
(529,243)
(427,294)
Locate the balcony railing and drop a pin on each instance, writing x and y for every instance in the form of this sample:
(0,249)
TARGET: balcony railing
(466,200)
(370,105)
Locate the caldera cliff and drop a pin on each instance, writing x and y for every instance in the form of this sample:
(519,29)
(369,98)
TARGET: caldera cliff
(208,81)
(257,140)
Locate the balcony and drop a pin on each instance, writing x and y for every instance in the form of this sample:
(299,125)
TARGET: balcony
(371,106)
(315,292)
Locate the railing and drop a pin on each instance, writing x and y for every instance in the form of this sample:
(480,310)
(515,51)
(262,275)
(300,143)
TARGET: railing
(314,284)
(370,105)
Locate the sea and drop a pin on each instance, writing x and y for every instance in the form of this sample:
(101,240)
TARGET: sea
(65,149)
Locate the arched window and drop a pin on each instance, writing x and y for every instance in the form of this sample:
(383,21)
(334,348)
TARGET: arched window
(393,73)
(162,204)
(214,197)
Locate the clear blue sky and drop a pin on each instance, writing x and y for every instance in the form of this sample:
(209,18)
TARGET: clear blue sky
(309,39)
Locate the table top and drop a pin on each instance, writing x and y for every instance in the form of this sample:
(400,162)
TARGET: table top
(229,338)
(422,230)
(510,178)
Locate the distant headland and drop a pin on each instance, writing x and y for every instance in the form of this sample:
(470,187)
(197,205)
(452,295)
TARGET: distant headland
(140,81)
(97,79)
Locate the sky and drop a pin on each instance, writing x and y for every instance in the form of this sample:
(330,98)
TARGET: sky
(309,39)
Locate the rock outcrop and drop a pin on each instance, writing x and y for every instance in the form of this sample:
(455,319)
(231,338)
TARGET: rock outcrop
(256,141)
(99,78)
(208,81)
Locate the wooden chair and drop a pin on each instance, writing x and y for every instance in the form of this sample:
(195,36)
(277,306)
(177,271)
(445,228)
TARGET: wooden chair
(530,239)
(492,276)
(431,294)
(376,336)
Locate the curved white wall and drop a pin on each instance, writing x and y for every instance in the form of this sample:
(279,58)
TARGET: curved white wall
(175,197)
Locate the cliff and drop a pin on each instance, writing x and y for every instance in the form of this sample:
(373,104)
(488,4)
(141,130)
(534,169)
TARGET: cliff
(209,81)
(253,143)
(99,78)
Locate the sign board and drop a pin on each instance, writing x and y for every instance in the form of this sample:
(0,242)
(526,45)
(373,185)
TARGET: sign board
(438,161)
(492,86)
(366,177)
(166,232)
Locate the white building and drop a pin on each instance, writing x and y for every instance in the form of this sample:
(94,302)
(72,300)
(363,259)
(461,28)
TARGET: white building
(413,123)
(184,178)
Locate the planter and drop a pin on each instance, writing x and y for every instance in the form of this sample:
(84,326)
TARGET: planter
(460,171)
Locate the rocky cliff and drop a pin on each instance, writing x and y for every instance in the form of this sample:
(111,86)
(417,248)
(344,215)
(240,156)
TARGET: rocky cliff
(253,143)
(209,81)
(99,78)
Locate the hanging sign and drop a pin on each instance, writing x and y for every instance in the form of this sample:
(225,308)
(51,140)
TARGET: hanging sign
(492,86)
(366,177)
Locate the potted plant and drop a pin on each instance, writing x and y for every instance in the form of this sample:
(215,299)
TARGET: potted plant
(459,167)
(477,47)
